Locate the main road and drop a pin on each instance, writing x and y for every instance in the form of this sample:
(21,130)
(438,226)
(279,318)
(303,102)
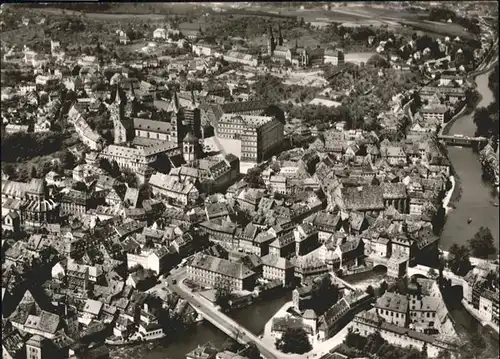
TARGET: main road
(219,319)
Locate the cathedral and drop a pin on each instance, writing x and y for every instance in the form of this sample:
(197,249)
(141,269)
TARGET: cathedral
(272,43)
(179,125)
(297,56)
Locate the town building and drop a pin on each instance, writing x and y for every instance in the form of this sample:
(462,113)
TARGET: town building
(334,57)
(258,137)
(277,268)
(211,271)
(434,112)
(174,189)
(155,259)
(241,58)
(31,202)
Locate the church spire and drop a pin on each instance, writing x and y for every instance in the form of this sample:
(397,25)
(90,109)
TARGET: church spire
(175,102)
(280,37)
(271,44)
(118,98)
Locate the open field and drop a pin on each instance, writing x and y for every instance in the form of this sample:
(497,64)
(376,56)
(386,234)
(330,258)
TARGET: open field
(358,57)
(138,45)
(311,79)
(195,25)
(103,16)
(437,28)
(376,11)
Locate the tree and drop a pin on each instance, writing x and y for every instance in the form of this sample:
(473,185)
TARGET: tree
(417,102)
(370,290)
(275,166)
(383,287)
(458,259)
(222,295)
(375,181)
(294,340)
(482,243)
(253,177)
(373,342)
(115,170)
(67,159)
(432,273)
(252,352)
(105,164)
(444,354)
(8,169)
(324,294)
(33,173)
(378,61)
(438,220)
(145,192)
(80,186)
(129,178)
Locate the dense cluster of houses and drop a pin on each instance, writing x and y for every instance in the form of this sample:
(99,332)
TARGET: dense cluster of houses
(82,247)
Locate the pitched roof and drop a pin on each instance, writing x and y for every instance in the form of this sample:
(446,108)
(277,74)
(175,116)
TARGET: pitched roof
(45,322)
(276,262)
(393,302)
(393,190)
(131,196)
(237,107)
(363,198)
(221,266)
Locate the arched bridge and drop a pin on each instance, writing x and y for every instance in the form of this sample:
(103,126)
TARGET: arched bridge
(465,141)
(424,271)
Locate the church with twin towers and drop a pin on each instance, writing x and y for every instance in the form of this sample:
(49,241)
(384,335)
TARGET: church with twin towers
(296,56)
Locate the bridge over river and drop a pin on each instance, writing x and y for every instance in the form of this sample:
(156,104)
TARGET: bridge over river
(222,321)
(463,141)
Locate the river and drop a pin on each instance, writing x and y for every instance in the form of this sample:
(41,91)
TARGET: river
(253,318)
(477,194)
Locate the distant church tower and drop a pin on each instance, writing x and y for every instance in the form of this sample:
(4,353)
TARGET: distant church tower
(271,44)
(117,115)
(280,38)
(189,147)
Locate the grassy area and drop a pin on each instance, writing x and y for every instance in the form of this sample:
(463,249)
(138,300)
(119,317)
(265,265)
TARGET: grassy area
(358,57)
(443,29)
(42,163)
(305,38)
(138,45)
(102,16)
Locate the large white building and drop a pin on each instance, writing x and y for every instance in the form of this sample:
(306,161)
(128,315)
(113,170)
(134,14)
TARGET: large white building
(134,158)
(241,57)
(174,188)
(153,260)
(259,136)
(210,271)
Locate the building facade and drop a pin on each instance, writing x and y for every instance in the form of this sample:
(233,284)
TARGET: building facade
(260,136)
(213,271)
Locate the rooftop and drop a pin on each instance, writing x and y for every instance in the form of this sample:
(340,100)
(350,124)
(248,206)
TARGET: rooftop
(222,266)
(393,301)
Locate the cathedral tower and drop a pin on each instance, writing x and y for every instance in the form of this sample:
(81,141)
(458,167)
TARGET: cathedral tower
(280,37)
(189,147)
(117,115)
(271,44)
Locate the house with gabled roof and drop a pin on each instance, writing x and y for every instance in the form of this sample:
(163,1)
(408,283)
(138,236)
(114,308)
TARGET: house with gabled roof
(131,197)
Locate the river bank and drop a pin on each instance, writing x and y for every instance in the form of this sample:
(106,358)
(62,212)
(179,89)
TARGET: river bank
(472,195)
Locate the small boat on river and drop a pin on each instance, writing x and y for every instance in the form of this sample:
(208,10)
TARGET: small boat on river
(469,220)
